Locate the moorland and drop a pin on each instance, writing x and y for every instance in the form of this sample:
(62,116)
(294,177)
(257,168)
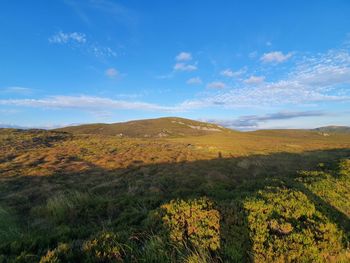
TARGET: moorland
(174,190)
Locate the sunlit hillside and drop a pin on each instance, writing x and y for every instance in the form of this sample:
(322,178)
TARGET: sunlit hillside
(197,193)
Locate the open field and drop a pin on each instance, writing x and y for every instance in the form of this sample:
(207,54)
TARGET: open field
(179,194)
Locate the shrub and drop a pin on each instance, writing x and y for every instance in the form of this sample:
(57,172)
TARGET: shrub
(105,247)
(200,256)
(195,222)
(285,227)
(344,167)
(60,254)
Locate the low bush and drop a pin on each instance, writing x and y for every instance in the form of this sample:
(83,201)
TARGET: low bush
(286,227)
(193,222)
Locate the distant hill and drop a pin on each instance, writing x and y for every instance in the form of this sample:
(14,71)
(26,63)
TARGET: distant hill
(161,127)
(11,126)
(333,129)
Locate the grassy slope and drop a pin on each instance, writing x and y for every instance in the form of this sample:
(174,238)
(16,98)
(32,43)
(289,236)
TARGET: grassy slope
(162,127)
(56,187)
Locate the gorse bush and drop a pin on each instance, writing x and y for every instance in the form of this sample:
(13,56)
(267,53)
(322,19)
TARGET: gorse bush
(57,255)
(105,247)
(195,222)
(344,167)
(286,227)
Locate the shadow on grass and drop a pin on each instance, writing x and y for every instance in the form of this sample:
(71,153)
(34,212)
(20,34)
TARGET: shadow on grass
(141,188)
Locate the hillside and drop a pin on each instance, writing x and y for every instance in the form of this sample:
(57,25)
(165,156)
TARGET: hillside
(204,194)
(161,127)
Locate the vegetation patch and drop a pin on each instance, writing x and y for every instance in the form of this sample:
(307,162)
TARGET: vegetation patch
(193,222)
(285,227)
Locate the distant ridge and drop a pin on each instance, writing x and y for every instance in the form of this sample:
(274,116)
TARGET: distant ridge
(11,126)
(153,128)
(333,129)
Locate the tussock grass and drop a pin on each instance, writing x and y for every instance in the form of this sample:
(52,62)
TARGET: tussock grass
(9,229)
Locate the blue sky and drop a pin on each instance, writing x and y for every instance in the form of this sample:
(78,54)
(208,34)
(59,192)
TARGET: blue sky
(243,64)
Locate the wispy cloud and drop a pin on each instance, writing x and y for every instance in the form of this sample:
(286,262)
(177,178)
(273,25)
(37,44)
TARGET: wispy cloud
(89,103)
(112,73)
(325,70)
(100,51)
(64,38)
(230,73)
(184,67)
(255,80)
(116,12)
(165,76)
(227,73)
(17,90)
(183,64)
(74,39)
(275,57)
(183,56)
(194,81)
(253,121)
(9,111)
(315,79)
(216,85)
(252,54)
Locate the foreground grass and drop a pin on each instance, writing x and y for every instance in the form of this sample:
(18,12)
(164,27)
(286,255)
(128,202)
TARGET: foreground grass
(88,198)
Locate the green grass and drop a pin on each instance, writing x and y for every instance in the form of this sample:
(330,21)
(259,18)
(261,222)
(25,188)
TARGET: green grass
(280,195)
(9,229)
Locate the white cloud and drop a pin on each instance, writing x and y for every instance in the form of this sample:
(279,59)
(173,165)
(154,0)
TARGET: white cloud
(165,76)
(182,63)
(194,81)
(184,56)
(89,103)
(275,57)
(112,73)
(325,70)
(227,73)
(216,85)
(252,121)
(76,38)
(99,51)
(63,38)
(255,80)
(17,90)
(184,67)
(314,80)
(230,73)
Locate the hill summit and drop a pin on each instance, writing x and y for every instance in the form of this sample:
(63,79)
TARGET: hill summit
(153,128)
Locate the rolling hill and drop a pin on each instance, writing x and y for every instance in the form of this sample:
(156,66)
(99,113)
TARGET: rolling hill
(161,127)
